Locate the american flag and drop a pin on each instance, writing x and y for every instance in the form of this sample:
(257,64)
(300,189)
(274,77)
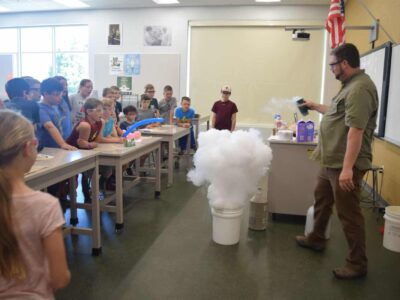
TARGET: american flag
(335,23)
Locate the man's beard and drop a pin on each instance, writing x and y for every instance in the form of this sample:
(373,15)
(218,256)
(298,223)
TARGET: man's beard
(339,75)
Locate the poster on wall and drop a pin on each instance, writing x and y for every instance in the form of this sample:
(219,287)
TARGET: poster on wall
(116,64)
(114,35)
(124,83)
(157,36)
(132,64)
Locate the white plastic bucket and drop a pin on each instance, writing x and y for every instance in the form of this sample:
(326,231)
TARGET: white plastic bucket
(391,236)
(310,224)
(226,225)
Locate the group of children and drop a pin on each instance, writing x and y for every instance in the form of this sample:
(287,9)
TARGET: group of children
(81,122)
(32,254)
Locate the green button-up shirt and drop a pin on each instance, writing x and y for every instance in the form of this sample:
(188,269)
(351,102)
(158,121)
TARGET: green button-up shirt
(355,105)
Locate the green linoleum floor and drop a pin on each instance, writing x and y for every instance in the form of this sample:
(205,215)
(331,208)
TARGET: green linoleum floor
(166,252)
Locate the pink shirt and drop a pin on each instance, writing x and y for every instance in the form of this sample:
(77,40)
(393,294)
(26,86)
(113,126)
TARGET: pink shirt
(36,215)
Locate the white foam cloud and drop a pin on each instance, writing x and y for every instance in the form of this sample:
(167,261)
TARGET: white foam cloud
(232,164)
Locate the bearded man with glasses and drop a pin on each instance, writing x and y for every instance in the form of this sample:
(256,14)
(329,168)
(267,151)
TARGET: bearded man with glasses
(345,154)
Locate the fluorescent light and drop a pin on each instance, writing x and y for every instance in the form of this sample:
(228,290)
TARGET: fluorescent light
(72,3)
(166,1)
(268,0)
(4,9)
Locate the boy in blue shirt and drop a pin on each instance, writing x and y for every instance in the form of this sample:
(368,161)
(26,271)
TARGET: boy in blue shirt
(51,118)
(184,116)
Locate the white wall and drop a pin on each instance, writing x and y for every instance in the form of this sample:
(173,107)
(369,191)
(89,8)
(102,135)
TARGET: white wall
(133,21)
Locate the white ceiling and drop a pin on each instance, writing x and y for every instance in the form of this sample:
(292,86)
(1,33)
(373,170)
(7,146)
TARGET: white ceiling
(41,5)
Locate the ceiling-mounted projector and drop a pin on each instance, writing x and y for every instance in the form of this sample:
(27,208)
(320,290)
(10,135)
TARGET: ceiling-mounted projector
(300,35)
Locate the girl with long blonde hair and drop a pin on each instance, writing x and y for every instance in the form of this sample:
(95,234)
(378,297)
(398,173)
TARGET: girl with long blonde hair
(32,255)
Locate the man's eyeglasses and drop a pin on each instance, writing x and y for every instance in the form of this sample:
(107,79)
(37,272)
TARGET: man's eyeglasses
(226,93)
(335,63)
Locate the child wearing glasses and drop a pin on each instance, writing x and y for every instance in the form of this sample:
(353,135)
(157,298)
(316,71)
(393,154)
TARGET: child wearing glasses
(224,111)
(87,134)
(34,88)
(34,263)
(150,91)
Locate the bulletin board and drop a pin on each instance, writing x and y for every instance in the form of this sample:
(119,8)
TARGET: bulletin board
(157,69)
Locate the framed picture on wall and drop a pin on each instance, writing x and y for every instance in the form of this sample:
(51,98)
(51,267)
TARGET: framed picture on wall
(114,35)
(157,36)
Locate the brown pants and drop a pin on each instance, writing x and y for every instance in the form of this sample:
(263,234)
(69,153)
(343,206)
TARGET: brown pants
(348,209)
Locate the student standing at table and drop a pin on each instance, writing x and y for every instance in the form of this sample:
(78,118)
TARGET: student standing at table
(34,88)
(51,129)
(86,134)
(184,116)
(17,90)
(224,111)
(150,91)
(145,111)
(32,254)
(77,100)
(111,94)
(51,118)
(110,134)
(167,105)
(116,92)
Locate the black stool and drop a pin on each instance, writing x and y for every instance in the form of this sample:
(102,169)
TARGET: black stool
(375,170)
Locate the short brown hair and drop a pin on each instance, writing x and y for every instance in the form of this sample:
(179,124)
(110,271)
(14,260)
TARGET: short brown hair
(185,98)
(106,91)
(148,86)
(84,81)
(128,109)
(167,88)
(91,103)
(115,88)
(347,52)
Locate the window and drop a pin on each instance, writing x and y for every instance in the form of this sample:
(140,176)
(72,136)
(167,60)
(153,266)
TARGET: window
(9,40)
(8,57)
(71,59)
(46,51)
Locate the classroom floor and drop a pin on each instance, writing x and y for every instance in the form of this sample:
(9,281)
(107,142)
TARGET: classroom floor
(166,252)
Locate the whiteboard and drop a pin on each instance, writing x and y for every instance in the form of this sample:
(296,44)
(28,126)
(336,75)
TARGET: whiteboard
(376,65)
(392,133)
(157,69)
